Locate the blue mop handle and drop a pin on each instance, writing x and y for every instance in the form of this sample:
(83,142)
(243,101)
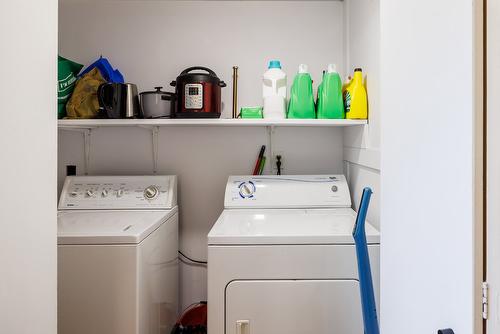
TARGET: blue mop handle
(365,275)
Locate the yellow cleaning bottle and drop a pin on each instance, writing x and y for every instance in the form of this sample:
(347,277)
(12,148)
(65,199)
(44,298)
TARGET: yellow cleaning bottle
(355,100)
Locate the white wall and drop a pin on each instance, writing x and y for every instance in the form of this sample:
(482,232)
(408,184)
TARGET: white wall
(427,164)
(149,42)
(28,35)
(203,158)
(362,144)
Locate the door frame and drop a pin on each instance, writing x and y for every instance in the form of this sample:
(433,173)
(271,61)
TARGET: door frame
(491,246)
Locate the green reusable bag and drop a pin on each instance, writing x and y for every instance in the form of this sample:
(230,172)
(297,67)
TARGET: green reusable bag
(67,72)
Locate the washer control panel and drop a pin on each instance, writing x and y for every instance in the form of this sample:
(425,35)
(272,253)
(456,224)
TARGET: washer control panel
(193,95)
(119,192)
(287,191)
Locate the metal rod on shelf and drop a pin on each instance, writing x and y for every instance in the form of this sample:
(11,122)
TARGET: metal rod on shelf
(235,91)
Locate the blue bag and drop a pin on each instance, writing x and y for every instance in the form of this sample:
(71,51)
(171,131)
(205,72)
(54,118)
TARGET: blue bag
(107,71)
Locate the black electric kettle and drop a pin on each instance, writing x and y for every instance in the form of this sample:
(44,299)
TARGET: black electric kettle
(119,100)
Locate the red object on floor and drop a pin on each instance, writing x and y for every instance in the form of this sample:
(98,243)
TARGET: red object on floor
(193,320)
(194,316)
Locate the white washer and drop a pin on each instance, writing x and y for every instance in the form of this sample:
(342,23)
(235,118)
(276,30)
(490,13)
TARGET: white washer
(117,255)
(282,260)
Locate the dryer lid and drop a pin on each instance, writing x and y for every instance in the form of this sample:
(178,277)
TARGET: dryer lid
(287,227)
(108,227)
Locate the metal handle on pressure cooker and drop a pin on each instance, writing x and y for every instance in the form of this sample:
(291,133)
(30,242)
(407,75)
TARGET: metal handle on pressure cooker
(187,70)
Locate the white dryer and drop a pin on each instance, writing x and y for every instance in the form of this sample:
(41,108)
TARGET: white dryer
(117,255)
(282,259)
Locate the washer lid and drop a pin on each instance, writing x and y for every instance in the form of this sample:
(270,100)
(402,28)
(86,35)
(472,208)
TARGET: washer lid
(287,226)
(108,227)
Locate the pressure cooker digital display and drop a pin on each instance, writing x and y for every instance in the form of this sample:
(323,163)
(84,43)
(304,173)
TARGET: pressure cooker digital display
(193,96)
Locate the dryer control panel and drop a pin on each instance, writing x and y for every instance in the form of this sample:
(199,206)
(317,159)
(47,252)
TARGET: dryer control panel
(287,191)
(119,192)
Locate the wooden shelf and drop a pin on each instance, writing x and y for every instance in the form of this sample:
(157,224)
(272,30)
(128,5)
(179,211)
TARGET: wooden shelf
(97,123)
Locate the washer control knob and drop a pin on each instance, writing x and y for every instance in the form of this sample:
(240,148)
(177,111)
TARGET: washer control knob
(90,193)
(104,193)
(73,194)
(247,189)
(119,193)
(334,189)
(151,192)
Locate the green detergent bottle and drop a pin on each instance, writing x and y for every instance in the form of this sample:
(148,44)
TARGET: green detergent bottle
(301,96)
(330,100)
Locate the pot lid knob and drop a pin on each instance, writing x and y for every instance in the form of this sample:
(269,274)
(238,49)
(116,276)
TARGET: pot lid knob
(158,88)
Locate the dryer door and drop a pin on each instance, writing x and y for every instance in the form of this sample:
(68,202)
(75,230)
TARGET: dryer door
(293,307)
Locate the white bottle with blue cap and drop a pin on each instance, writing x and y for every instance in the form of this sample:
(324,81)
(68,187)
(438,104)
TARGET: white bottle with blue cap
(274,91)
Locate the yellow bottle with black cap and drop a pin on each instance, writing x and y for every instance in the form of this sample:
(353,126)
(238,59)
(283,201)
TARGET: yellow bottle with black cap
(355,99)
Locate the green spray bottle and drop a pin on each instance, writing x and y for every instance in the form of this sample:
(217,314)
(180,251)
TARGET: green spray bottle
(301,95)
(330,100)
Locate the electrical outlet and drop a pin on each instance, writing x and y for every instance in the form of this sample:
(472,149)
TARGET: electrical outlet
(70,170)
(275,160)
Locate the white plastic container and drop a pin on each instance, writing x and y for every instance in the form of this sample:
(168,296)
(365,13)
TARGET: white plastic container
(274,91)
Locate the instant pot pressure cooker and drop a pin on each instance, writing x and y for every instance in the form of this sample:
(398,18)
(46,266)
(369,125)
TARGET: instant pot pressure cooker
(198,93)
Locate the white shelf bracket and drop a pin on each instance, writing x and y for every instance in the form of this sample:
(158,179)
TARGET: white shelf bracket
(271,131)
(87,134)
(155,132)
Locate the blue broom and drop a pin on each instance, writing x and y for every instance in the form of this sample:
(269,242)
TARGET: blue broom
(368,305)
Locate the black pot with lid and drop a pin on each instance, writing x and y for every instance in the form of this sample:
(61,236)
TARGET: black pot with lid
(157,103)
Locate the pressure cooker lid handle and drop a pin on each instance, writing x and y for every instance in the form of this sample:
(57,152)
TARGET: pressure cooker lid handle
(187,70)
